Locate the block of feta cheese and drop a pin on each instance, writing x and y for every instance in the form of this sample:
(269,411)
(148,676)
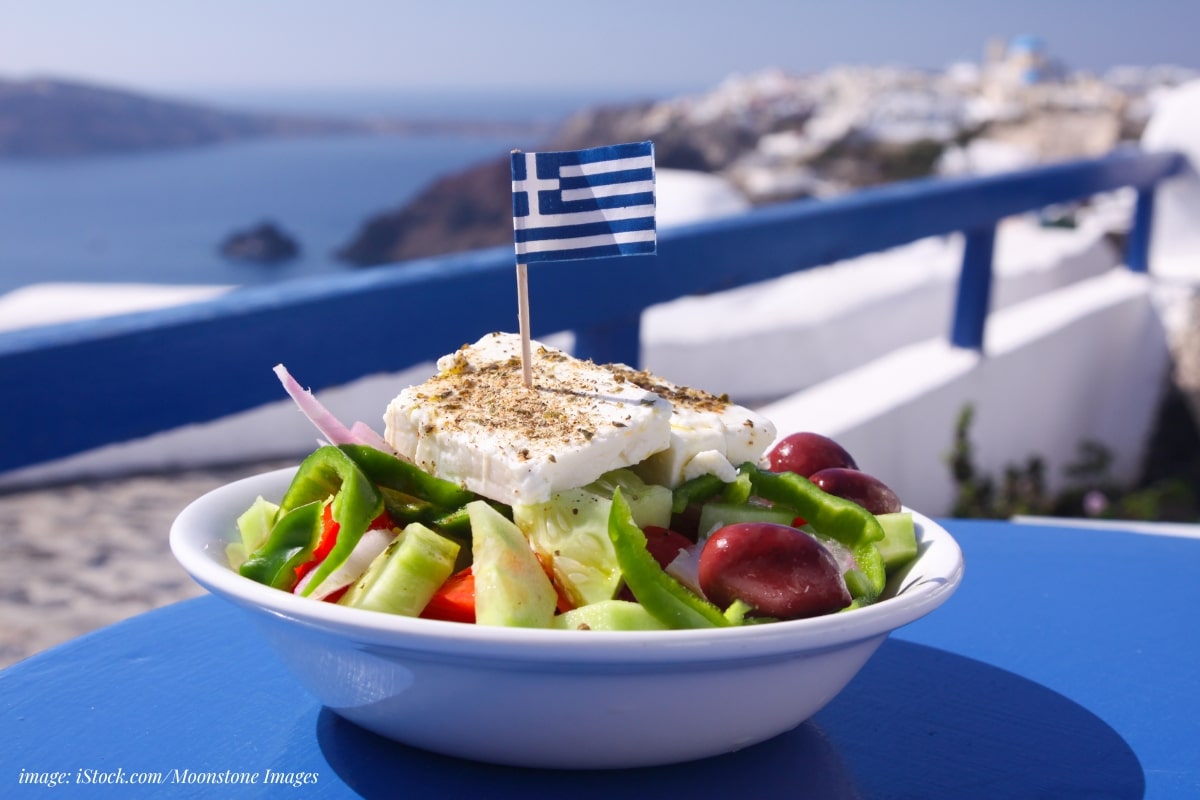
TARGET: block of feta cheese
(475,422)
(709,433)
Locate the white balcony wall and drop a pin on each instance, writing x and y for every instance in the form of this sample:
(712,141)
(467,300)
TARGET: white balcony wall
(771,339)
(1087,362)
(1175,246)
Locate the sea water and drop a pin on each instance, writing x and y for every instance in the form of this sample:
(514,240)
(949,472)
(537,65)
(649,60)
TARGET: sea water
(160,217)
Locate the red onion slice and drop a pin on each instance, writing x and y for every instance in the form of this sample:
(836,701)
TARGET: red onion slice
(329,425)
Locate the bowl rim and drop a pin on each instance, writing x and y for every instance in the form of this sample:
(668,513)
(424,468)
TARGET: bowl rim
(202,529)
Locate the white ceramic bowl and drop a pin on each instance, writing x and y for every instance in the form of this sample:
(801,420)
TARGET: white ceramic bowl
(551,698)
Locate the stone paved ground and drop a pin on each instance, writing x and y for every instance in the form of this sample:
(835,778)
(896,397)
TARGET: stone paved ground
(80,556)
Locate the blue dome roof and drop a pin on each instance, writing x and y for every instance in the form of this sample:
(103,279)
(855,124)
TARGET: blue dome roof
(1027,42)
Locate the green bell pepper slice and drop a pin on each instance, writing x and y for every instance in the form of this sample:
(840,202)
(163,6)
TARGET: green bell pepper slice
(327,472)
(871,579)
(289,544)
(667,600)
(390,472)
(695,490)
(829,515)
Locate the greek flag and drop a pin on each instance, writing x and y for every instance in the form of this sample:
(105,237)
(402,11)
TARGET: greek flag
(584,203)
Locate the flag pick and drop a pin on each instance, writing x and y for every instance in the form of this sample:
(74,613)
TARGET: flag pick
(578,204)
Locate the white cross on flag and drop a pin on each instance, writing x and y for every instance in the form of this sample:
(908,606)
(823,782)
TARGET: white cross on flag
(584,203)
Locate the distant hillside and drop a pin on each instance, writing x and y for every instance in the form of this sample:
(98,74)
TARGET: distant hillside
(472,208)
(778,136)
(48,118)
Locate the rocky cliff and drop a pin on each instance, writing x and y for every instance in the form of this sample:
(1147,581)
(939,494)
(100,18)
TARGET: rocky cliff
(472,209)
(780,137)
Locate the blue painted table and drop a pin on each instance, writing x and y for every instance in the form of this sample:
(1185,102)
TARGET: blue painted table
(1065,666)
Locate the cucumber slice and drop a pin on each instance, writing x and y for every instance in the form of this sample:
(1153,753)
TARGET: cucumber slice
(510,586)
(899,543)
(254,525)
(403,577)
(570,532)
(718,515)
(609,615)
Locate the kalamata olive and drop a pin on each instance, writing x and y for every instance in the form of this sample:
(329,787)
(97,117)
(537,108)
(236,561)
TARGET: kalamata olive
(805,453)
(858,487)
(780,571)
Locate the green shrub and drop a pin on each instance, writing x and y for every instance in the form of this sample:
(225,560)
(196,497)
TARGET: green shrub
(1089,490)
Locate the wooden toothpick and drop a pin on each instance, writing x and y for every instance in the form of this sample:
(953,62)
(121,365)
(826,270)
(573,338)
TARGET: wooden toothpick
(523,321)
(523,310)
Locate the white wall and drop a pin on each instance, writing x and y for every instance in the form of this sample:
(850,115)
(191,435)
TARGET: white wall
(1175,126)
(771,339)
(1086,362)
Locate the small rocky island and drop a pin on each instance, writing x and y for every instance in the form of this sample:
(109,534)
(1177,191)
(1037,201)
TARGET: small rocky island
(265,243)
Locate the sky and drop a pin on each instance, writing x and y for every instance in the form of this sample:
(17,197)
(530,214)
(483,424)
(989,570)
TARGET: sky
(627,46)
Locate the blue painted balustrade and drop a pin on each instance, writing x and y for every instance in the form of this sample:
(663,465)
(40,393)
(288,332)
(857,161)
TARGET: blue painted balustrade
(72,387)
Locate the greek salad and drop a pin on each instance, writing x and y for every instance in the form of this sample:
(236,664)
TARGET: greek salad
(693,514)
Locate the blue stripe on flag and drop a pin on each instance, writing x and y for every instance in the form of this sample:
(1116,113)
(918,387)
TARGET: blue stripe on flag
(586,229)
(584,203)
(552,203)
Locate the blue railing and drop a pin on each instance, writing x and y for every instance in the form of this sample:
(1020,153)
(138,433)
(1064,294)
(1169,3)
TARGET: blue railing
(72,387)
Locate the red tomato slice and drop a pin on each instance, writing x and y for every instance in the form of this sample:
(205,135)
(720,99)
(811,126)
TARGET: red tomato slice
(454,601)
